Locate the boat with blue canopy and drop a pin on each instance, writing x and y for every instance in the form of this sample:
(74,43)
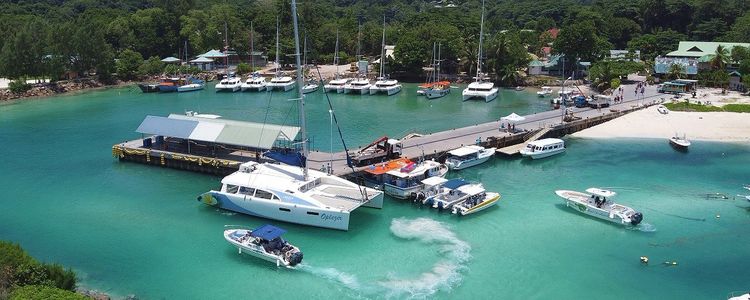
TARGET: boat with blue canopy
(264,242)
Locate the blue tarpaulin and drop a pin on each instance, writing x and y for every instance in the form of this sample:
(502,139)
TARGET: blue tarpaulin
(455,183)
(267,232)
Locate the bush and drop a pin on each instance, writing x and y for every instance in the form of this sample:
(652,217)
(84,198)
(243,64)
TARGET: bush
(17,268)
(19,86)
(742,108)
(171,69)
(243,68)
(40,292)
(614,83)
(128,64)
(152,66)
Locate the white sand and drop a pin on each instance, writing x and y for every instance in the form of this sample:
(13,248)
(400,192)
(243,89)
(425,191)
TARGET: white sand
(649,123)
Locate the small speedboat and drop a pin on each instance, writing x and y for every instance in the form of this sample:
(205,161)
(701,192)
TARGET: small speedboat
(544,92)
(264,242)
(662,109)
(310,87)
(476,203)
(595,203)
(679,143)
(193,85)
(456,191)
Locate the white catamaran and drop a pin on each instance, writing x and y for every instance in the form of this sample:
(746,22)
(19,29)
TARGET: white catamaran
(337,84)
(280,81)
(479,88)
(255,82)
(290,193)
(383,84)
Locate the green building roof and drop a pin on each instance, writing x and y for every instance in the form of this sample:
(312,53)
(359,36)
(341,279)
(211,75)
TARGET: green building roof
(700,49)
(536,63)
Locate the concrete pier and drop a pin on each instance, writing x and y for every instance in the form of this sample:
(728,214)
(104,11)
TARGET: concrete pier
(427,145)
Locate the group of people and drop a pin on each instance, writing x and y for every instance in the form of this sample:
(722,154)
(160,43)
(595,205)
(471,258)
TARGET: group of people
(599,202)
(510,128)
(641,87)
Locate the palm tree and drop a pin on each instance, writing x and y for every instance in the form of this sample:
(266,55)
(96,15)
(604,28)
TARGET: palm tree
(720,59)
(676,70)
(469,54)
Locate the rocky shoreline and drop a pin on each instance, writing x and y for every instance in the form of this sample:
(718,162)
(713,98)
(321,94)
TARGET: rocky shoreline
(55,88)
(97,295)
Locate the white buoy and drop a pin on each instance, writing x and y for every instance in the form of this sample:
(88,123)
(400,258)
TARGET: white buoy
(239,250)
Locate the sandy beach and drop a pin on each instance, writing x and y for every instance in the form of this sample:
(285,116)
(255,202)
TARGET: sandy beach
(649,123)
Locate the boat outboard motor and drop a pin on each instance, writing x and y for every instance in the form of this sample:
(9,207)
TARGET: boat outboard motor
(636,218)
(295,258)
(420,196)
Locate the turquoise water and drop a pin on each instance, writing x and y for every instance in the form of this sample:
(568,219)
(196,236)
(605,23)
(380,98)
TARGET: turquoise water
(127,228)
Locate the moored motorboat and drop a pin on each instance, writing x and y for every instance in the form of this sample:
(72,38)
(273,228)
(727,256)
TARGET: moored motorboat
(476,203)
(405,182)
(679,143)
(456,191)
(310,87)
(169,85)
(149,87)
(595,203)
(193,84)
(545,91)
(543,148)
(468,156)
(264,242)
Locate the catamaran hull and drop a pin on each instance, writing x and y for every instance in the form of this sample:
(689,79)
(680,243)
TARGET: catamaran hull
(253,87)
(486,97)
(228,88)
(361,91)
(283,87)
(388,91)
(281,211)
(338,89)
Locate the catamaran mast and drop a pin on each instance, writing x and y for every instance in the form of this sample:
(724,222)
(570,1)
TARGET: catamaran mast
(382,50)
(278,64)
(481,39)
(252,49)
(336,54)
(301,103)
(226,50)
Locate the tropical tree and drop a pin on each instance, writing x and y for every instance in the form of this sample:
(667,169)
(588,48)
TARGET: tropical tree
(128,63)
(720,59)
(676,71)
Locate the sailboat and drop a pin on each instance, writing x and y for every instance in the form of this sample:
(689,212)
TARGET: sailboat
(291,193)
(337,83)
(255,82)
(479,88)
(311,86)
(360,85)
(436,88)
(280,81)
(383,84)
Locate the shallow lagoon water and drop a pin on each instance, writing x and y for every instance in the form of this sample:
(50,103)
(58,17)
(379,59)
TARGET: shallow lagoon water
(133,229)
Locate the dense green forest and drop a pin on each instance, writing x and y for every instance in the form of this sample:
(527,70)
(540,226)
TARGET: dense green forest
(49,37)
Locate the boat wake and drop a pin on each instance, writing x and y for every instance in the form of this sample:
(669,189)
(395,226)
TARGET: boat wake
(644,227)
(444,274)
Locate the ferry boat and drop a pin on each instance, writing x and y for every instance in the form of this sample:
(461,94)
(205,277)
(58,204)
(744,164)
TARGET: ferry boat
(255,83)
(595,203)
(229,84)
(679,143)
(291,193)
(543,148)
(456,191)
(544,92)
(476,203)
(479,88)
(264,242)
(405,182)
(468,156)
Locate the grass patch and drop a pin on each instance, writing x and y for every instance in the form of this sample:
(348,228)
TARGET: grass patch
(742,108)
(684,106)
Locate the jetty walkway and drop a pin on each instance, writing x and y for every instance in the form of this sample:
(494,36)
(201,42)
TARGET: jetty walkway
(415,145)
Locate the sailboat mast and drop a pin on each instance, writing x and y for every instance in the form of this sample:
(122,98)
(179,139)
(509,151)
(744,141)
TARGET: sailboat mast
(336,54)
(359,40)
(252,49)
(437,74)
(382,50)
(278,64)
(481,40)
(226,50)
(301,103)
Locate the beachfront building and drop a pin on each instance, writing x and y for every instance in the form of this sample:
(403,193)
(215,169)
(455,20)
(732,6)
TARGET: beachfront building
(554,66)
(691,56)
(735,82)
